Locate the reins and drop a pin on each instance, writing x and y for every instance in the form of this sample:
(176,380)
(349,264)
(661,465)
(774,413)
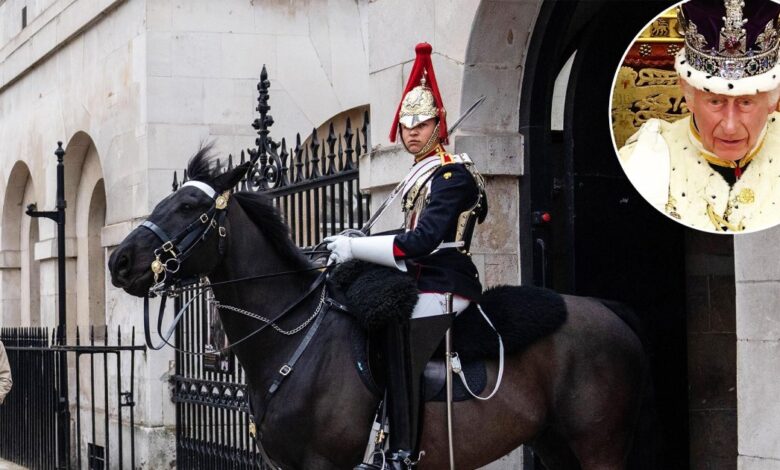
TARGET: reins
(179,315)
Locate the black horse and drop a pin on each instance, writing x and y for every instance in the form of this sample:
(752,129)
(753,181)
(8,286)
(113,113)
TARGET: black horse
(573,393)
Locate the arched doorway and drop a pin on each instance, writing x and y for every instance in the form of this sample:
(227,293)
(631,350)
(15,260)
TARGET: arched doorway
(89,219)
(602,239)
(20,271)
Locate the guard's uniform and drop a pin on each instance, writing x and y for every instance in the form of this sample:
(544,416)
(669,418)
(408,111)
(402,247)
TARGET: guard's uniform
(441,207)
(443,199)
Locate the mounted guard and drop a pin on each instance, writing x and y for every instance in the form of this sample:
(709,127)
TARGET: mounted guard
(443,198)
(295,338)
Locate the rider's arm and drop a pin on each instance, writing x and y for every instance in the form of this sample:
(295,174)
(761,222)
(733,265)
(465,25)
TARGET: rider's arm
(453,190)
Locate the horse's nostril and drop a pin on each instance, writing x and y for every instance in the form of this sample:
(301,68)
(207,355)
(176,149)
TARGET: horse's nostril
(122,264)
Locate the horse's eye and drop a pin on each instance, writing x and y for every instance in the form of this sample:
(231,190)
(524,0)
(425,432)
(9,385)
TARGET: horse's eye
(187,207)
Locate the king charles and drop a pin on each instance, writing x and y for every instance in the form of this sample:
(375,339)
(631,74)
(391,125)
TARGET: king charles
(718,169)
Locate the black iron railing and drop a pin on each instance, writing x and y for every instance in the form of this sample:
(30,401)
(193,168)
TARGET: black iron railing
(315,183)
(28,419)
(212,427)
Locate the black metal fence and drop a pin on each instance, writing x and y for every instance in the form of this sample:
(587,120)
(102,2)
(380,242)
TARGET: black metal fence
(28,417)
(105,387)
(315,187)
(211,408)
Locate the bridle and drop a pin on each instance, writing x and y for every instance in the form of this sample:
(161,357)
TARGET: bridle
(178,248)
(174,250)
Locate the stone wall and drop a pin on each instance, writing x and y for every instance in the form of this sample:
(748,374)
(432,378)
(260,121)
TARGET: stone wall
(712,350)
(132,87)
(758,349)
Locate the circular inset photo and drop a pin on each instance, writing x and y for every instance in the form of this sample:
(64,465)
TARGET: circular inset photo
(694,114)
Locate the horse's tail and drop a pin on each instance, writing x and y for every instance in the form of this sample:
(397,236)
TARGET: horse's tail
(647,449)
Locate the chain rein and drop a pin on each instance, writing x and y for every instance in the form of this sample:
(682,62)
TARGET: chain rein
(276,327)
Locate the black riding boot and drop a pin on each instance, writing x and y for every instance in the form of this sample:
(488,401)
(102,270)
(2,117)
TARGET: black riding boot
(409,347)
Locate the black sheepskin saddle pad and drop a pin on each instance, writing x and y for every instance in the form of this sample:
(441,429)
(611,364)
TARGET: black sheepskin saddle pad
(376,295)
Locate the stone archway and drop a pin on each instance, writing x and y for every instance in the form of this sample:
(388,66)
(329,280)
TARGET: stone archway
(494,65)
(89,217)
(19,271)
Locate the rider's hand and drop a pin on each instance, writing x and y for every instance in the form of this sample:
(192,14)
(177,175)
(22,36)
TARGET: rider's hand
(340,248)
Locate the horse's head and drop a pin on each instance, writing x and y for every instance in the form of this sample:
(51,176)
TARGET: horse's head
(181,237)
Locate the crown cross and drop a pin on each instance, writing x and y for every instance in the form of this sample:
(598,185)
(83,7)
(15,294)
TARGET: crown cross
(733,37)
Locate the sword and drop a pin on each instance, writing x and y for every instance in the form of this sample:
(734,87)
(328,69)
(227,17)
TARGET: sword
(465,115)
(397,190)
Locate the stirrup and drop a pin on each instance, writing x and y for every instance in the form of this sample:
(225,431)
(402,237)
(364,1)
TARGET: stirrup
(404,458)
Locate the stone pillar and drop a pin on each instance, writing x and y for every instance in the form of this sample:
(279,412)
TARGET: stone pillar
(155,412)
(10,288)
(712,350)
(758,349)
(46,254)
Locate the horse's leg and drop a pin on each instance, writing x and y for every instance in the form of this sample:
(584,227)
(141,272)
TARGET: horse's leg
(601,439)
(598,406)
(486,431)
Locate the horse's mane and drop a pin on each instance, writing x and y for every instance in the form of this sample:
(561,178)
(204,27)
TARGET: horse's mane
(267,218)
(202,166)
(258,207)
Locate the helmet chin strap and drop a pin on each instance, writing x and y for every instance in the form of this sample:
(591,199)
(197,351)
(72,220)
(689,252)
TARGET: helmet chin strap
(432,142)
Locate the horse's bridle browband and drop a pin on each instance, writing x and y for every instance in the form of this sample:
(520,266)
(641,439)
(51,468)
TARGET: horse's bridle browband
(178,247)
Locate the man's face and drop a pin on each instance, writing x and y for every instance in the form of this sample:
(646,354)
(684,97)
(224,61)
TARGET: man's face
(416,137)
(729,126)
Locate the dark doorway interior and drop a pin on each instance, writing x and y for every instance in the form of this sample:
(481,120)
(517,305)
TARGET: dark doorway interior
(603,239)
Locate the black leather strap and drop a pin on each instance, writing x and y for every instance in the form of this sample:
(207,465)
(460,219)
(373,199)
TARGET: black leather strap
(157,230)
(288,366)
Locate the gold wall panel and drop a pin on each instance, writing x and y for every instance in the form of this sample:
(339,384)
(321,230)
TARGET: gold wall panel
(642,95)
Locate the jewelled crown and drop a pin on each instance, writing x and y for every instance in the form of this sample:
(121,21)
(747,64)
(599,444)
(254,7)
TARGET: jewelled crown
(731,46)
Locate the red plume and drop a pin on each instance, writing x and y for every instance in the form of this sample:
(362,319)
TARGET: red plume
(422,63)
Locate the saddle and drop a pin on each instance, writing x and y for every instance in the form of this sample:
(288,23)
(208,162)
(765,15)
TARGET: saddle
(376,295)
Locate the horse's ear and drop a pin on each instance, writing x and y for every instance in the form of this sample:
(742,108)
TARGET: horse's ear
(231,178)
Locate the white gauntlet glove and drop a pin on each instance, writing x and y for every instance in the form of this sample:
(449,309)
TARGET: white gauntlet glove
(378,249)
(340,248)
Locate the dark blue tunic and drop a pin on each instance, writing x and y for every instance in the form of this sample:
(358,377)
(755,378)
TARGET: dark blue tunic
(453,191)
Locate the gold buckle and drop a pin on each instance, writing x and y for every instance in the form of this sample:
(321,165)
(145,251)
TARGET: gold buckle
(222,200)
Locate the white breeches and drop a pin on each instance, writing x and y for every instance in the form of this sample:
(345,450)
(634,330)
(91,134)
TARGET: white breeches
(433,303)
